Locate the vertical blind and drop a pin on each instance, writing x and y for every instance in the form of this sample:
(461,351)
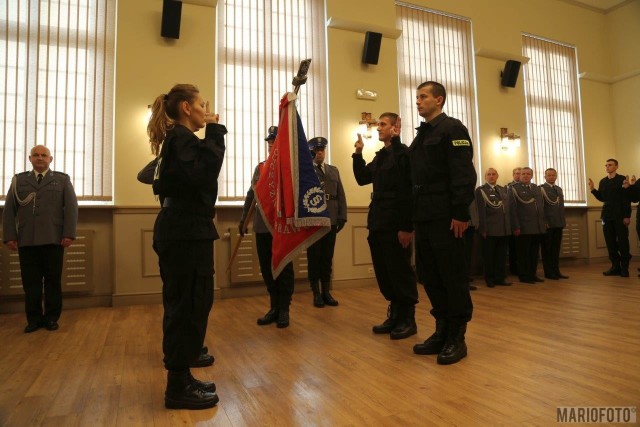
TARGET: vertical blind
(56,77)
(553,114)
(260,45)
(438,47)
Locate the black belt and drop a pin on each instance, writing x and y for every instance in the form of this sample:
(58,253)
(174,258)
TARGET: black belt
(189,205)
(376,195)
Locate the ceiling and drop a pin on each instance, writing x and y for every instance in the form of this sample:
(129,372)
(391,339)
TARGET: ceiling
(599,5)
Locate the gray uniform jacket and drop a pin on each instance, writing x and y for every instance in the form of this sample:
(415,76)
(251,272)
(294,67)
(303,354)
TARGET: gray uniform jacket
(259,225)
(526,209)
(553,206)
(336,198)
(493,210)
(50,210)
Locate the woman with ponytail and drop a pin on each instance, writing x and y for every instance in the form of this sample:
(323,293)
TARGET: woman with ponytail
(186,181)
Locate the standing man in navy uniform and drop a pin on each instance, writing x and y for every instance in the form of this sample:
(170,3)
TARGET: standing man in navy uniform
(39,221)
(320,254)
(390,226)
(443,179)
(554,221)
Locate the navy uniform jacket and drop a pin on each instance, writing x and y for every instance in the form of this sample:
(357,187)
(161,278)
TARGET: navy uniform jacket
(390,207)
(442,171)
(493,210)
(51,214)
(187,180)
(553,206)
(259,225)
(617,204)
(336,198)
(526,209)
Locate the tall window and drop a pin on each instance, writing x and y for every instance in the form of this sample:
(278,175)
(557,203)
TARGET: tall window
(553,114)
(56,89)
(436,46)
(260,45)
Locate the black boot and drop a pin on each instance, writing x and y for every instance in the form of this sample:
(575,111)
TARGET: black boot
(284,301)
(435,343)
(326,296)
(624,268)
(406,325)
(271,315)
(454,348)
(182,393)
(390,322)
(317,296)
(613,271)
(208,386)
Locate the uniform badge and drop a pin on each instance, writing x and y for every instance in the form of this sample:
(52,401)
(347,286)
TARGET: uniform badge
(461,143)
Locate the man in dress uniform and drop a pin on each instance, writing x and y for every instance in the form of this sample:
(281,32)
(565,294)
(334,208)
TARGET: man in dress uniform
(443,179)
(513,257)
(280,288)
(494,228)
(320,254)
(555,221)
(390,226)
(527,224)
(39,221)
(616,217)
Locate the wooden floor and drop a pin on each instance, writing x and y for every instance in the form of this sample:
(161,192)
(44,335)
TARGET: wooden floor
(532,348)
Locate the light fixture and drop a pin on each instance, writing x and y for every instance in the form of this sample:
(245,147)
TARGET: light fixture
(508,140)
(147,117)
(365,125)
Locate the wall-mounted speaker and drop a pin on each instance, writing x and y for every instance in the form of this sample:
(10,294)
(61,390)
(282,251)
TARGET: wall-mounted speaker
(371,48)
(171,12)
(510,73)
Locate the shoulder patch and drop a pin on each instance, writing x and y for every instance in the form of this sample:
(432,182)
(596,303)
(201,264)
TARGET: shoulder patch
(461,143)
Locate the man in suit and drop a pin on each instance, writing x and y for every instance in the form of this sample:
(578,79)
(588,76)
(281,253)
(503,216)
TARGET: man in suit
(320,254)
(39,221)
(494,228)
(527,223)
(554,220)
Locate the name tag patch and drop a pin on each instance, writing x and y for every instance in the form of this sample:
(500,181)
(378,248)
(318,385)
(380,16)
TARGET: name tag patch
(461,143)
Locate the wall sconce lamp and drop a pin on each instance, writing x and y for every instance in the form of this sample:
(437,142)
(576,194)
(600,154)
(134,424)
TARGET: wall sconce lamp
(365,125)
(508,140)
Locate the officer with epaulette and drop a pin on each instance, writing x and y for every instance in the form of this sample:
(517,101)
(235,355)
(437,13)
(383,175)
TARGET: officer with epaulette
(443,179)
(527,224)
(555,221)
(390,226)
(39,220)
(280,288)
(320,254)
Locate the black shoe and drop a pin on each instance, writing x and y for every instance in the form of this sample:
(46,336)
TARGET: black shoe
(328,299)
(624,273)
(537,279)
(528,281)
(32,327)
(435,343)
(269,318)
(190,398)
(317,300)
(552,277)
(283,319)
(503,283)
(452,353)
(385,327)
(613,271)
(203,361)
(562,276)
(472,287)
(208,386)
(51,325)
(490,283)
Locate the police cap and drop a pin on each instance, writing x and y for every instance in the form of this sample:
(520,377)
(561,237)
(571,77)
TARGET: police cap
(272,133)
(317,142)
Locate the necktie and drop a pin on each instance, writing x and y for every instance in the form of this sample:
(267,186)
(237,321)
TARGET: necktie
(39,178)
(320,170)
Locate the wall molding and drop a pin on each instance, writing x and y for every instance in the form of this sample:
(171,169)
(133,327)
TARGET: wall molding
(501,55)
(601,78)
(363,27)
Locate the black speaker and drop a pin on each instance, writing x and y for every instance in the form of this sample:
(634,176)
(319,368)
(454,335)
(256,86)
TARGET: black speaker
(171,12)
(510,73)
(371,48)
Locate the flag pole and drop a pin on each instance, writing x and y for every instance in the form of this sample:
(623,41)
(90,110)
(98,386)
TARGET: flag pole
(298,80)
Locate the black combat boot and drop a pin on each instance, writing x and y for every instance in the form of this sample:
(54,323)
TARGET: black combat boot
(406,325)
(326,296)
(435,343)
(182,393)
(208,386)
(613,271)
(317,296)
(390,322)
(624,267)
(454,348)
(271,315)
(284,301)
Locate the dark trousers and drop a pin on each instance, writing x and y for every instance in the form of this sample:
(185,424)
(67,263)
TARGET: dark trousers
(527,246)
(320,258)
(281,285)
(469,237)
(186,268)
(513,256)
(41,268)
(439,256)
(392,265)
(494,254)
(550,246)
(616,236)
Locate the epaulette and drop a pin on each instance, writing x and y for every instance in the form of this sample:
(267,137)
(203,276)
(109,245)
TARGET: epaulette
(24,173)
(61,173)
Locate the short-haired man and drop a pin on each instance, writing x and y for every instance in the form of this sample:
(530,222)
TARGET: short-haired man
(390,226)
(494,228)
(443,178)
(39,221)
(616,217)
(554,221)
(513,252)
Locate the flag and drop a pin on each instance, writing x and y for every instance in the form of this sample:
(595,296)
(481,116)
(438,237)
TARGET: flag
(288,193)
